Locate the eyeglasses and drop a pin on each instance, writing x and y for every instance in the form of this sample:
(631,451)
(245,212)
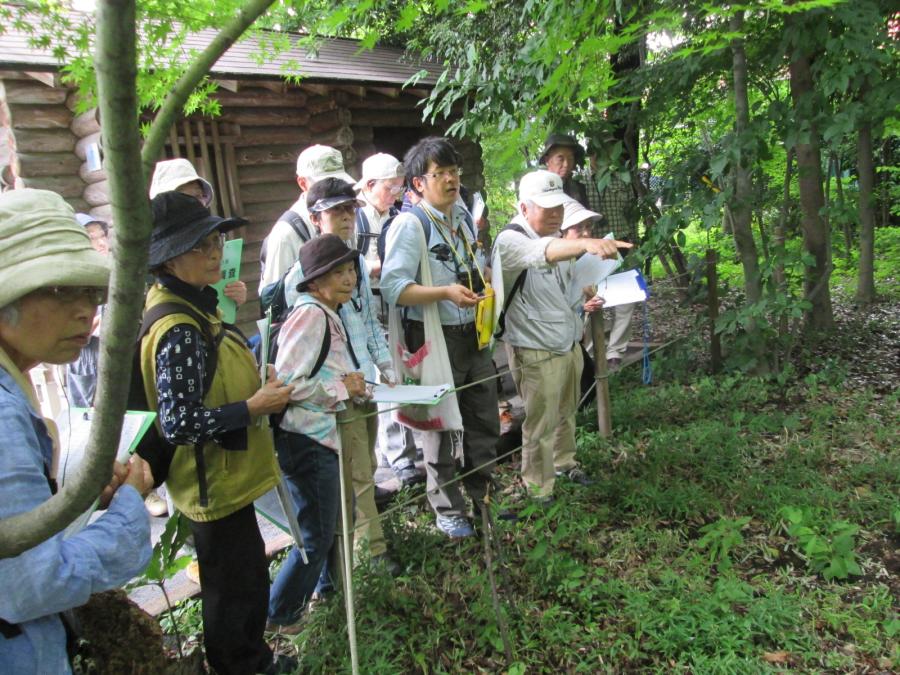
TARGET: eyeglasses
(211,244)
(69,294)
(444,174)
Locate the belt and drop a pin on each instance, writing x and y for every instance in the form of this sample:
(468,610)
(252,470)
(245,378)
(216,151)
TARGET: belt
(450,328)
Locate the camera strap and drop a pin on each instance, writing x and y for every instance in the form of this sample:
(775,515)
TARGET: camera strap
(467,267)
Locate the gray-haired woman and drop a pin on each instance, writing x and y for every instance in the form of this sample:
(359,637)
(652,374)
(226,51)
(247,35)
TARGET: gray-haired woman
(51,282)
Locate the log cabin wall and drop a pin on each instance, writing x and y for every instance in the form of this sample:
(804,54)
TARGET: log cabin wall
(39,141)
(248,152)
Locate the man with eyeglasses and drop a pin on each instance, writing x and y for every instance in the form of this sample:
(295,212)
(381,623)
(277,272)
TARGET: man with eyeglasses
(456,265)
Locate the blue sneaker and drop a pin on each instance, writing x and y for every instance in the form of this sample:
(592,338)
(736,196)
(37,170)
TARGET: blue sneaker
(455,527)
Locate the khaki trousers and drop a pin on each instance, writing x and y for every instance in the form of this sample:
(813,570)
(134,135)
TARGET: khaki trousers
(358,434)
(548,384)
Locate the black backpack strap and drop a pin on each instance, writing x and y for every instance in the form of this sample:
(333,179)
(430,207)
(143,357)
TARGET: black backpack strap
(363,230)
(295,220)
(154,314)
(324,349)
(517,286)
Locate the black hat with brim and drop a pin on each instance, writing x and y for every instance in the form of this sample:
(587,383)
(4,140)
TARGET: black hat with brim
(321,255)
(180,222)
(565,141)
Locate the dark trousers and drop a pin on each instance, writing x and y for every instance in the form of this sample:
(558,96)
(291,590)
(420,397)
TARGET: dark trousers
(311,472)
(234,587)
(481,423)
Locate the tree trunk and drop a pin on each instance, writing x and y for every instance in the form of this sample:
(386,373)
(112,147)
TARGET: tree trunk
(780,236)
(865,288)
(741,214)
(809,170)
(115,63)
(839,192)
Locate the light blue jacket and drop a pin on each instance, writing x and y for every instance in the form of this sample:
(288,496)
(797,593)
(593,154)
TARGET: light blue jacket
(58,574)
(404,256)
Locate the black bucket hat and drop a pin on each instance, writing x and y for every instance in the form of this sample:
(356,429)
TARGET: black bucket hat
(567,142)
(321,255)
(180,222)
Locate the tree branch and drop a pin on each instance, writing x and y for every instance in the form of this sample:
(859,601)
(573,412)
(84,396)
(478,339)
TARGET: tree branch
(195,73)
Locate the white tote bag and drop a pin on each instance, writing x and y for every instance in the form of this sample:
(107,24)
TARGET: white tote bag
(429,365)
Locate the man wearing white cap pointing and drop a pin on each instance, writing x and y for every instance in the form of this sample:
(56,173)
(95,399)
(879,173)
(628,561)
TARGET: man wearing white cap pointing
(542,329)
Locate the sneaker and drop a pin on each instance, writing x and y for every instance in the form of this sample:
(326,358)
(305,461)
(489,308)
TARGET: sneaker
(193,571)
(156,505)
(577,475)
(409,476)
(455,527)
(613,364)
(383,562)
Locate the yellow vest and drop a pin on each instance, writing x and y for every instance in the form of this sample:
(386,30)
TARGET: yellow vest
(234,478)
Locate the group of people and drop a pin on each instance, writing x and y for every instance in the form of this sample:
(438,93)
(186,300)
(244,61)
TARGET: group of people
(353,262)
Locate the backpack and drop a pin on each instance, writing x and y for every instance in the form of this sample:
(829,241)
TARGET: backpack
(364,234)
(516,287)
(295,220)
(153,447)
(419,213)
(324,349)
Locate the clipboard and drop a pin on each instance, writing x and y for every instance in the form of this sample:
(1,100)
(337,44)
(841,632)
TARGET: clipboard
(410,394)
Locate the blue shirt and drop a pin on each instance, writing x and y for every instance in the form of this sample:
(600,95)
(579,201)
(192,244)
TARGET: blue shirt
(59,573)
(404,256)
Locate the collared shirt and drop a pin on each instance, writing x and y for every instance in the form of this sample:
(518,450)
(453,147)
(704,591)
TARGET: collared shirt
(544,312)
(370,244)
(283,245)
(315,400)
(61,572)
(360,318)
(404,256)
(181,360)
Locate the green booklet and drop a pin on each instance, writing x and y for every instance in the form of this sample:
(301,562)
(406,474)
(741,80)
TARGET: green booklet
(231,271)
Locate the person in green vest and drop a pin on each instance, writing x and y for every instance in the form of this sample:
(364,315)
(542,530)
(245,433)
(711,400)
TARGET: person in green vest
(204,383)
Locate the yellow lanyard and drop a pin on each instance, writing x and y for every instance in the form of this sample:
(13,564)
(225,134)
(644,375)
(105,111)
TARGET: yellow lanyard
(468,269)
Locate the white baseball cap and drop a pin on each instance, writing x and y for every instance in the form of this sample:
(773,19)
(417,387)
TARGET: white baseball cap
(544,188)
(322,161)
(575,213)
(171,174)
(380,166)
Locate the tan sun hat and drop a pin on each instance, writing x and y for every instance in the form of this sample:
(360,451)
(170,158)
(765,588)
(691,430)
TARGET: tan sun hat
(43,245)
(322,161)
(171,174)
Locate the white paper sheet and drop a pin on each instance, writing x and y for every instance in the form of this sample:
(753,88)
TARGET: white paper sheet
(590,270)
(623,288)
(410,393)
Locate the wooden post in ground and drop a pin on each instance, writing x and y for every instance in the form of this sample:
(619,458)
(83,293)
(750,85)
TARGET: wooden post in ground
(712,285)
(604,421)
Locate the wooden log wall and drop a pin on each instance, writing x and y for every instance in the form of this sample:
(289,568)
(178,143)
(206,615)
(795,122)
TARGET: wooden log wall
(39,123)
(248,153)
